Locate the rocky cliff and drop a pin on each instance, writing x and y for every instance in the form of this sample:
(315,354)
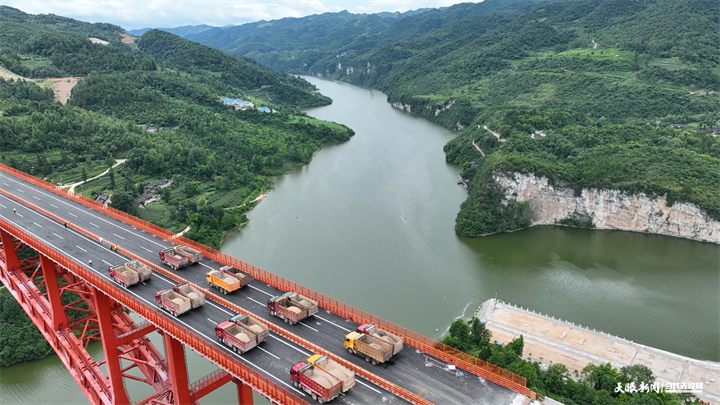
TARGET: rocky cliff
(608,209)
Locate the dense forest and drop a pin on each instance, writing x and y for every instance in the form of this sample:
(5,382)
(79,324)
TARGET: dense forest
(594,384)
(625,93)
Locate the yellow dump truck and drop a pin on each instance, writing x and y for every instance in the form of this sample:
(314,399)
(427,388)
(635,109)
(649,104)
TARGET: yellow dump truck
(374,350)
(223,281)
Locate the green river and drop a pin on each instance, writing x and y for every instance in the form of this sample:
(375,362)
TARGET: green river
(370,222)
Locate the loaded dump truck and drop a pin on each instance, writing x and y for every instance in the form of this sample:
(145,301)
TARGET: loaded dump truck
(173,259)
(237,337)
(321,386)
(244,277)
(222,281)
(197,299)
(123,275)
(372,329)
(292,307)
(374,350)
(172,302)
(144,272)
(260,330)
(193,256)
(330,366)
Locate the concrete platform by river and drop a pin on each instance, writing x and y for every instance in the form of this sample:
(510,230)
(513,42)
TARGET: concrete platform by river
(550,341)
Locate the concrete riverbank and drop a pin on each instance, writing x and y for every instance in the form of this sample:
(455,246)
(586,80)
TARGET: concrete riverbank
(550,340)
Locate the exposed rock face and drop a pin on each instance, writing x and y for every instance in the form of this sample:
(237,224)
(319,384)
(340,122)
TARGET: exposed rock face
(609,209)
(445,107)
(404,107)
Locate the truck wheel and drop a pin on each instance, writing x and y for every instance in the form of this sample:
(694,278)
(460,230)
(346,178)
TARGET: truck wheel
(374,362)
(350,351)
(295,384)
(220,339)
(315,397)
(224,291)
(175,314)
(235,349)
(287,320)
(320,400)
(272,313)
(367,358)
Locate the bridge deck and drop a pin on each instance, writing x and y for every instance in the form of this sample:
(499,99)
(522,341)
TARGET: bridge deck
(274,357)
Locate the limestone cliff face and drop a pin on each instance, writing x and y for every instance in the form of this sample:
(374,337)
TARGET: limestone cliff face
(609,209)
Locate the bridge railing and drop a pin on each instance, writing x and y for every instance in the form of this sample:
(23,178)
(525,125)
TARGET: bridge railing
(446,353)
(217,356)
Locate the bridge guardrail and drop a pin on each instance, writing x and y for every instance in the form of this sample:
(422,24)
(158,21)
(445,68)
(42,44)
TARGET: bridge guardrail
(446,353)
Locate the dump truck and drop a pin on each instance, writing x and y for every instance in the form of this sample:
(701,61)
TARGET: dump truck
(124,275)
(372,329)
(172,302)
(244,277)
(193,256)
(236,337)
(261,331)
(330,366)
(144,272)
(197,299)
(321,386)
(173,259)
(224,282)
(292,307)
(374,350)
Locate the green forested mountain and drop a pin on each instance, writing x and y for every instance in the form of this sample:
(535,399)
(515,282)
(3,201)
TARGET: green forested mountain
(218,156)
(604,80)
(183,31)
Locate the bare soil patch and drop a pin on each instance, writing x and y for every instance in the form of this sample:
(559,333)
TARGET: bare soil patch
(62,87)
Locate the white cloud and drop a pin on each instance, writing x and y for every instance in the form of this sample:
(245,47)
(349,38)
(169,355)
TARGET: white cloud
(172,13)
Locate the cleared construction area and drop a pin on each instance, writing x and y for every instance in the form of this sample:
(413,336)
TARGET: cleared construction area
(550,341)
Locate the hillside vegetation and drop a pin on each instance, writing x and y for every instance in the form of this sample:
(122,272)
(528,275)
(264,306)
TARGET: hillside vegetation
(217,156)
(604,80)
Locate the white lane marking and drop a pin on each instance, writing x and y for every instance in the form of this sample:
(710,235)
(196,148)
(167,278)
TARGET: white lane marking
(109,264)
(35,197)
(307,326)
(20,191)
(256,301)
(62,201)
(360,382)
(53,205)
(96,226)
(291,346)
(37,224)
(333,323)
(255,288)
(268,352)
(58,235)
(203,264)
(221,308)
(2,206)
(119,236)
(210,320)
(6,184)
(81,248)
(166,280)
(144,248)
(20,215)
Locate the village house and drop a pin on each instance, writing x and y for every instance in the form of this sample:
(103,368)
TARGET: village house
(538,135)
(146,199)
(149,188)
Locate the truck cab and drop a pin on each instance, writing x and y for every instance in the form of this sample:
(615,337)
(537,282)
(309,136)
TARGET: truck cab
(162,253)
(219,329)
(271,303)
(294,371)
(158,296)
(350,340)
(361,328)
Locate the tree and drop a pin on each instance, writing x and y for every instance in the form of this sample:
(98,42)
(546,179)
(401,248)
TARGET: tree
(111,174)
(123,201)
(83,174)
(479,334)
(516,346)
(602,377)
(556,377)
(638,373)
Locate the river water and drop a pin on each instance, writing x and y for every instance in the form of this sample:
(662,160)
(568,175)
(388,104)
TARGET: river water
(370,222)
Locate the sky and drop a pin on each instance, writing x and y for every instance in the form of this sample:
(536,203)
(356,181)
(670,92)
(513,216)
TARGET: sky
(132,14)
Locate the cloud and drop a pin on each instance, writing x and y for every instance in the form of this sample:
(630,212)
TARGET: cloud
(172,13)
